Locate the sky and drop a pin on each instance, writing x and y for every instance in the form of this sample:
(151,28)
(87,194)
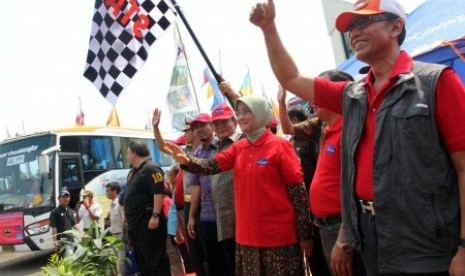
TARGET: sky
(45,43)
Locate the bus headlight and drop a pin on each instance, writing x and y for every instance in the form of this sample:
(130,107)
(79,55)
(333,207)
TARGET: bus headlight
(38,228)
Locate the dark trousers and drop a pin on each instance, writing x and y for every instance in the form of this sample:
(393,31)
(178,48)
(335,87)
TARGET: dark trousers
(196,252)
(329,234)
(150,247)
(318,265)
(229,249)
(216,259)
(367,225)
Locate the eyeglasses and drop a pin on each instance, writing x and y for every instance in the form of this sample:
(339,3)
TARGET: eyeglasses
(362,22)
(242,112)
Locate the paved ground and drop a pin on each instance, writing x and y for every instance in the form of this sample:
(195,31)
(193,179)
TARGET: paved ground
(23,263)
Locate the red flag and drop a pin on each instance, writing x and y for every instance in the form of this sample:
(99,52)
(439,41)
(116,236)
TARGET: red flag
(79,116)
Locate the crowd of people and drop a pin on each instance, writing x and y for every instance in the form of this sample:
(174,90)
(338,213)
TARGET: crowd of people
(371,182)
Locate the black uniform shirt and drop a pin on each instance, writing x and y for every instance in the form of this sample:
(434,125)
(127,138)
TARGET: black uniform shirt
(62,219)
(142,184)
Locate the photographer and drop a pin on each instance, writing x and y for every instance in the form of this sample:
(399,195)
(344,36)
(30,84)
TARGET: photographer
(88,211)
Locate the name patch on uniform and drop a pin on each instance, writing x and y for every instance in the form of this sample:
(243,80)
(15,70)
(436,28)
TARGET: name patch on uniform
(331,149)
(262,161)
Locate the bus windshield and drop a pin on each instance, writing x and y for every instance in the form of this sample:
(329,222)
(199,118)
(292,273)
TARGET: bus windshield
(21,184)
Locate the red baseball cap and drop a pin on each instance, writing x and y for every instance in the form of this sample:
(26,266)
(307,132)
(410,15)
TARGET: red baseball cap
(222,112)
(273,123)
(201,118)
(181,141)
(368,7)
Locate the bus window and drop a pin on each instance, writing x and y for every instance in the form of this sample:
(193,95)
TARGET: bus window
(124,152)
(118,153)
(71,178)
(97,153)
(21,184)
(163,159)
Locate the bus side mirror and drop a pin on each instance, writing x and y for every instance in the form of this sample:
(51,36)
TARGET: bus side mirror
(44,164)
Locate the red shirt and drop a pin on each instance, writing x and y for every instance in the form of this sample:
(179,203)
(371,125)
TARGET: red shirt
(179,190)
(450,109)
(325,191)
(261,172)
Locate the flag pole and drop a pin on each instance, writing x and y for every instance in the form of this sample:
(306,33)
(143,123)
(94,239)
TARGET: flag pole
(188,68)
(219,60)
(22,124)
(197,43)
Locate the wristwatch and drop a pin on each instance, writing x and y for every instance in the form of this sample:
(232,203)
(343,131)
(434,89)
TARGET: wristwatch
(462,242)
(344,246)
(155,215)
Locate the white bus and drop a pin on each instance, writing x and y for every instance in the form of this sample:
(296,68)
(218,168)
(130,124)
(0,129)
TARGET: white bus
(34,168)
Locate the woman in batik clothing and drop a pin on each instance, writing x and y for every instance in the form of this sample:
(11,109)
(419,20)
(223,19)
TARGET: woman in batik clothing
(272,214)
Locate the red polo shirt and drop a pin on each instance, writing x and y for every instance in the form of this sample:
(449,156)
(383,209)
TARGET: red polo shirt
(450,109)
(325,191)
(261,172)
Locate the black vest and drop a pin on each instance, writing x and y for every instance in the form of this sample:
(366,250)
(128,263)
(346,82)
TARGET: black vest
(415,183)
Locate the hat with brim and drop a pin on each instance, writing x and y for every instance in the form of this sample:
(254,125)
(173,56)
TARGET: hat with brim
(187,126)
(63,193)
(88,193)
(222,112)
(369,7)
(187,122)
(273,123)
(181,140)
(201,118)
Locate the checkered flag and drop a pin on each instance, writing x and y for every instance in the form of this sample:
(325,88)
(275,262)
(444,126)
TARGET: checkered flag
(122,33)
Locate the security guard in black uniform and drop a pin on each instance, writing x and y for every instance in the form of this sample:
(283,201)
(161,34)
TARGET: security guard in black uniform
(143,203)
(61,220)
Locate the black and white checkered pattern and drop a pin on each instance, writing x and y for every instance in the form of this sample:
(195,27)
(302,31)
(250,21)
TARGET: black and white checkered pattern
(115,53)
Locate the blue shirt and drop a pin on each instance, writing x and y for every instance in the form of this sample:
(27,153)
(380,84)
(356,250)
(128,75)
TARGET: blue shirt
(207,211)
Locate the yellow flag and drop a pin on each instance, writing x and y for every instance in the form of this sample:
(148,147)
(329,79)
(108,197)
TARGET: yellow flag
(113,119)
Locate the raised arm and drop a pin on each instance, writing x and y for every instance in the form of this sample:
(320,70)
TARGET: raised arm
(227,90)
(284,67)
(156,131)
(286,124)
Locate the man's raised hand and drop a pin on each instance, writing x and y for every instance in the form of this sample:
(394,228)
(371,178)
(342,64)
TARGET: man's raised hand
(263,14)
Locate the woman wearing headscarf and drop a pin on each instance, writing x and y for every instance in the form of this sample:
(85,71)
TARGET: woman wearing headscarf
(272,213)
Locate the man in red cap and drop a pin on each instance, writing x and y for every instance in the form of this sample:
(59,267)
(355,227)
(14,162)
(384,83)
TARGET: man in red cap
(225,123)
(205,226)
(403,156)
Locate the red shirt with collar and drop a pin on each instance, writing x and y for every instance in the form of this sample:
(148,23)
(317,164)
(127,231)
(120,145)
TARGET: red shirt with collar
(261,172)
(325,191)
(450,109)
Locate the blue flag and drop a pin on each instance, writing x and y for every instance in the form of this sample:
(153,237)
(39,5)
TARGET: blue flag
(218,98)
